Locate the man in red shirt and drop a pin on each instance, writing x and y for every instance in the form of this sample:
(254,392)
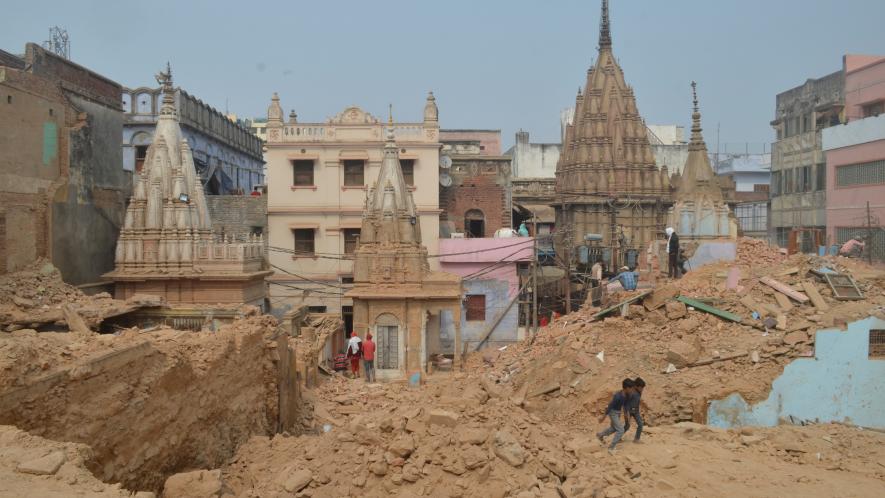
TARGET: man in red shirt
(369,358)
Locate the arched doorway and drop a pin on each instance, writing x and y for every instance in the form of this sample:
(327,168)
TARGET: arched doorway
(475,224)
(388,341)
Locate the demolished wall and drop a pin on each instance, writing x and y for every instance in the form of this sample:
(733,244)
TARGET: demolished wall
(842,372)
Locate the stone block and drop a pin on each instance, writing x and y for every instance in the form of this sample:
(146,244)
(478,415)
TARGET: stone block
(443,417)
(44,466)
(196,484)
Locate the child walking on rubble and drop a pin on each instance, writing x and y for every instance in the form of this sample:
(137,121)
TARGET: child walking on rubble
(617,408)
(633,408)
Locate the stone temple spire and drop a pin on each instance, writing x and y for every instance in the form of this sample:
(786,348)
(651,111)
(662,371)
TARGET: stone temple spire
(697,176)
(605,34)
(390,247)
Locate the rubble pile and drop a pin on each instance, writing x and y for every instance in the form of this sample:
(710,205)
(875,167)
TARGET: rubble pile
(687,356)
(462,435)
(36,296)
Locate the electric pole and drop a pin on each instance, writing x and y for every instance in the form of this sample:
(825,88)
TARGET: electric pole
(534,274)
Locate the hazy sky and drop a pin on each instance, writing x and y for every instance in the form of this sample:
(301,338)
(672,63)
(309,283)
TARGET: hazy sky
(492,64)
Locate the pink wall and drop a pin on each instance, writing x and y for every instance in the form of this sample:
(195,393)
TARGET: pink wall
(864,82)
(846,206)
(486,250)
(484,253)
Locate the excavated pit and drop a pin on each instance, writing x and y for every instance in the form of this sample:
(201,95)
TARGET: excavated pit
(149,404)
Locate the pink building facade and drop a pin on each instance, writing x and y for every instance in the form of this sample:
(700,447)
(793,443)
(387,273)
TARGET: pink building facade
(855,154)
(490,279)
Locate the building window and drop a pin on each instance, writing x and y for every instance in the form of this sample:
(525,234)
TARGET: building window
(140,156)
(776,189)
(408,168)
(877,343)
(803,179)
(351,239)
(353,173)
(788,181)
(820,182)
(753,217)
(874,109)
(475,224)
(316,309)
(303,173)
(476,308)
(304,241)
(871,173)
(348,279)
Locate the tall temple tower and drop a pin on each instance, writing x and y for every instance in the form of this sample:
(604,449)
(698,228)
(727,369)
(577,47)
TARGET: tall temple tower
(166,246)
(700,211)
(395,295)
(606,179)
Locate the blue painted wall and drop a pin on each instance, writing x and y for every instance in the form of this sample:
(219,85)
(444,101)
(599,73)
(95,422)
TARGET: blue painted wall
(840,384)
(472,331)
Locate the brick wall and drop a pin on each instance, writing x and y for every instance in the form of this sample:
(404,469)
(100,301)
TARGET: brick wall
(237,214)
(73,76)
(476,192)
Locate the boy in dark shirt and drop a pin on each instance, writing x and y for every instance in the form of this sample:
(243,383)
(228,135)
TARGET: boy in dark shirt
(633,408)
(615,409)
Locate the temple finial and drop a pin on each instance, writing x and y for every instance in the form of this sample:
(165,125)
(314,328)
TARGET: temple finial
(390,114)
(694,95)
(605,34)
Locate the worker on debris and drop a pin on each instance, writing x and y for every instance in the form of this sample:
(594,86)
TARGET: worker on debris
(615,410)
(672,253)
(853,248)
(369,357)
(339,364)
(633,408)
(627,278)
(354,350)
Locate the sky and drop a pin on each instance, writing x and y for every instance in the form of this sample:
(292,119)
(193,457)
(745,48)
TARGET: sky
(492,64)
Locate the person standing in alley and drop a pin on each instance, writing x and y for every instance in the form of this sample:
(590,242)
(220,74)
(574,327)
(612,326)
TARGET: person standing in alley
(617,414)
(672,253)
(369,357)
(354,352)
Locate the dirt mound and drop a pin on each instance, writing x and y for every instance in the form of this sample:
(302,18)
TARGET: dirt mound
(148,403)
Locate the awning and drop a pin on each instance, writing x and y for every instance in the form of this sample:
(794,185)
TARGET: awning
(542,212)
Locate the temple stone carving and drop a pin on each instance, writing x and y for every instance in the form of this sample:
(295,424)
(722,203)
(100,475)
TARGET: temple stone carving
(395,295)
(606,178)
(166,246)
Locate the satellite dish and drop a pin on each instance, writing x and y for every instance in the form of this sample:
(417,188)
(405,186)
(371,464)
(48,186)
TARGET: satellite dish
(445,162)
(445,180)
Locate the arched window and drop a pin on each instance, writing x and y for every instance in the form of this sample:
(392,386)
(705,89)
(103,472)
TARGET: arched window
(475,223)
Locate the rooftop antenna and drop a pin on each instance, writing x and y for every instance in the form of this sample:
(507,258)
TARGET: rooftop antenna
(59,42)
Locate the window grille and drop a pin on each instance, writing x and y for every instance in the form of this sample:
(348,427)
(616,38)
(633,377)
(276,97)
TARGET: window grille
(304,241)
(871,173)
(877,344)
(303,173)
(353,174)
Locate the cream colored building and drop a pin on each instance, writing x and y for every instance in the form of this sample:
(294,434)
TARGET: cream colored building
(318,176)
